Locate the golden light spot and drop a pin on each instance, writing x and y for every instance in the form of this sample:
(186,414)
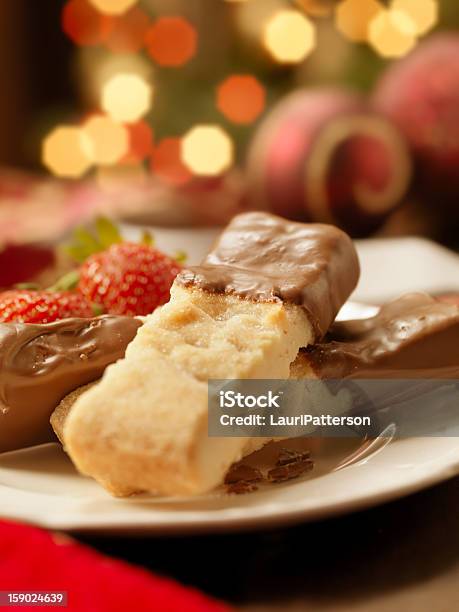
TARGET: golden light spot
(289,36)
(241,98)
(126,97)
(316,8)
(128,32)
(140,141)
(83,24)
(66,152)
(171,41)
(353,17)
(424,13)
(252,16)
(392,34)
(109,139)
(166,162)
(113,7)
(207,150)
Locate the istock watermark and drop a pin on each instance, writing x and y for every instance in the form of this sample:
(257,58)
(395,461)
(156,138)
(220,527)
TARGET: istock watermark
(349,407)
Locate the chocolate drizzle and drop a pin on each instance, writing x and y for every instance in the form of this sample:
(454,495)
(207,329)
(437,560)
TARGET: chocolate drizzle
(263,257)
(414,336)
(40,364)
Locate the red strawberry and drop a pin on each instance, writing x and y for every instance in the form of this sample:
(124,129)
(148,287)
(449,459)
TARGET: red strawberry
(128,278)
(26,306)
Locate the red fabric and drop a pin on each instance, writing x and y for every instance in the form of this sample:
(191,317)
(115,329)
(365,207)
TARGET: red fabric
(34,560)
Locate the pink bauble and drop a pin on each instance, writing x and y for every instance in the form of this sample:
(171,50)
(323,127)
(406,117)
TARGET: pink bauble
(323,155)
(421,95)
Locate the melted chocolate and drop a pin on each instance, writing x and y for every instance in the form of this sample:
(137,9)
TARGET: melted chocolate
(414,336)
(263,257)
(40,364)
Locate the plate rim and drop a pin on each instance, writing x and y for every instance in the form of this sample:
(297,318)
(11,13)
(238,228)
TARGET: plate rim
(252,520)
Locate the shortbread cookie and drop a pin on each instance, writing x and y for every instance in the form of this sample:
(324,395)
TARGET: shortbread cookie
(267,289)
(63,409)
(40,364)
(412,336)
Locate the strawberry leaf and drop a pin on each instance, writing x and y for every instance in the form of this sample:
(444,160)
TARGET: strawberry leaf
(29,286)
(87,241)
(147,238)
(67,282)
(76,252)
(107,232)
(97,309)
(180,256)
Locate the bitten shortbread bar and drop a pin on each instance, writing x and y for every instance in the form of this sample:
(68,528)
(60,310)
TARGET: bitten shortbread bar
(268,288)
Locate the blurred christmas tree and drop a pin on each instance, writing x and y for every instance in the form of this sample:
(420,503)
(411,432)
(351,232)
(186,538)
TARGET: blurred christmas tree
(176,87)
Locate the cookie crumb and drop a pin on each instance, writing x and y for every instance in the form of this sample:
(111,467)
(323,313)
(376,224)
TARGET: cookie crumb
(244,472)
(240,487)
(291,470)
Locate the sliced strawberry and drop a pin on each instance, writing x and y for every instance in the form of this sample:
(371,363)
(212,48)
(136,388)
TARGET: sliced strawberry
(26,306)
(128,278)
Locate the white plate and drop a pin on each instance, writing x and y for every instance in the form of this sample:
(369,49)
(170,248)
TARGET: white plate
(40,485)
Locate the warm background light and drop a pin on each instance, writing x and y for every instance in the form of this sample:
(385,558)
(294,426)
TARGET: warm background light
(392,33)
(140,141)
(424,13)
(113,179)
(251,17)
(316,8)
(353,17)
(126,97)
(289,36)
(127,33)
(84,24)
(166,162)
(109,139)
(113,7)
(171,41)
(207,150)
(241,98)
(66,152)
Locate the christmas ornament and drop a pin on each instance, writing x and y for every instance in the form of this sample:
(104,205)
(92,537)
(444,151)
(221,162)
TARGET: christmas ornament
(421,95)
(324,155)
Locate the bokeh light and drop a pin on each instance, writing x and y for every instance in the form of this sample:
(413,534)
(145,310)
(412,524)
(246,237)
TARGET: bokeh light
(353,17)
(140,141)
(316,8)
(207,150)
(126,97)
(128,32)
(424,13)
(66,152)
(109,139)
(84,24)
(392,34)
(241,98)
(171,41)
(113,7)
(113,179)
(166,162)
(251,17)
(289,36)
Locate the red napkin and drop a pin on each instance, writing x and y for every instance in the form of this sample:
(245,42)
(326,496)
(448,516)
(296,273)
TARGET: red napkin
(34,560)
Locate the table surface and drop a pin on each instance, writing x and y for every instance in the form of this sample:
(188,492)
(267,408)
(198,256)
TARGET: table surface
(401,556)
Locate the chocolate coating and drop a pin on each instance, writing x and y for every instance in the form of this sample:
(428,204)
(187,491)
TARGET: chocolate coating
(40,364)
(414,336)
(263,257)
